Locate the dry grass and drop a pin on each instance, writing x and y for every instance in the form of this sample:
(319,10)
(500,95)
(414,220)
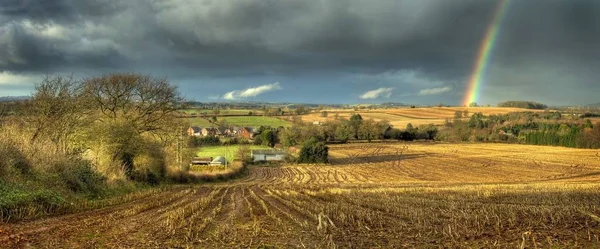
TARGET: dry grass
(372,195)
(213,173)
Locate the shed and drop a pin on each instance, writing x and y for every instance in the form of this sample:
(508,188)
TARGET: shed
(201,160)
(268,155)
(218,161)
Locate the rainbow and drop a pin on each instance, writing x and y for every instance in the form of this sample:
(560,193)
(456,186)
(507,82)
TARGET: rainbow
(483,55)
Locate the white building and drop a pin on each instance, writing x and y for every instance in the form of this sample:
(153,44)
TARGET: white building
(268,155)
(218,161)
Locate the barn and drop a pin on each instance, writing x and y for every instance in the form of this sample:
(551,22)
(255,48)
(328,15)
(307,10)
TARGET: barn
(268,155)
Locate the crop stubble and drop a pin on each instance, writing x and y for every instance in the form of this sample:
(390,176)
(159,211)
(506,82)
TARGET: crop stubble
(371,195)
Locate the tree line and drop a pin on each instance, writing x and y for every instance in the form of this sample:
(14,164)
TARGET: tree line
(523,104)
(540,128)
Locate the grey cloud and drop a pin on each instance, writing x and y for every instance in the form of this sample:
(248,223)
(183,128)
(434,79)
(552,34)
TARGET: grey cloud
(220,38)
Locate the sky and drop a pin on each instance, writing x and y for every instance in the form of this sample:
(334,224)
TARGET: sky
(318,51)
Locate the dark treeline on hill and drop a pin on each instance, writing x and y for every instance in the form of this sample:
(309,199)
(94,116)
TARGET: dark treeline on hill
(13,98)
(590,115)
(541,128)
(523,104)
(595,105)
(256,105)
(290,107)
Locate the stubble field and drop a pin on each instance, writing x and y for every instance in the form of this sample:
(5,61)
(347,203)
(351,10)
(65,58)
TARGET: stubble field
(400,117)
(371,195)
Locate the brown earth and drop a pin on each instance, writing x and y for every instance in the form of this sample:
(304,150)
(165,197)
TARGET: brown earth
(372,195)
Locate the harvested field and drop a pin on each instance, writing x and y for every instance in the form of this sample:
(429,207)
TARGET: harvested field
(395,120)
(400,117)
(371,195)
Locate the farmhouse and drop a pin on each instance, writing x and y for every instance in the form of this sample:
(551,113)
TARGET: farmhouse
(268,155)
(194,131)
(246,132)
(210,132)
(225,131)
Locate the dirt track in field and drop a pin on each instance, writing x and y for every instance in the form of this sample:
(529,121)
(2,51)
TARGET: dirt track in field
(371,196)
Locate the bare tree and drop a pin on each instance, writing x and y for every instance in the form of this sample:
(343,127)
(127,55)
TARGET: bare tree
(146,102)
(56,110)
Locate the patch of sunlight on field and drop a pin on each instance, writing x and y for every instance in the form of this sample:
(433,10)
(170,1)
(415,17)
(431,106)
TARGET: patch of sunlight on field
(255,121)
(228,152)
(400,117)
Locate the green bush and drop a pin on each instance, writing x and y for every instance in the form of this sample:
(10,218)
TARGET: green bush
(17,203)
(79,176)
(12,159)
(314,152)
(194,141)
(150,165)
(145,176)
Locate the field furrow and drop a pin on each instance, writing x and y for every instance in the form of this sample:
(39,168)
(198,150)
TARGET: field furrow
(432,195)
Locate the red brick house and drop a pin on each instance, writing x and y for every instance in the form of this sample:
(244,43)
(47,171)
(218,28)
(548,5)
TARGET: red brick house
(246,132)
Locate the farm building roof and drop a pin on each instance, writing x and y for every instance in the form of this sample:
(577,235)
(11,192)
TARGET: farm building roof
(219,159)
(268,152)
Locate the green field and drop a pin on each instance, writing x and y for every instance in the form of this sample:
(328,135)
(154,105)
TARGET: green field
(200,122)
(226,151)
(223,111)
(252,121)
(255,121)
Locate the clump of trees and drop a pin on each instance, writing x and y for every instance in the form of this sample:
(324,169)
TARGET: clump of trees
(523,104)
(122,125)
(540,128)
(356,128)
(314,151)
(82,135)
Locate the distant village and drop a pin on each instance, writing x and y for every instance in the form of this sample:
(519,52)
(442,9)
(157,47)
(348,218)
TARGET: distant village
(240,132)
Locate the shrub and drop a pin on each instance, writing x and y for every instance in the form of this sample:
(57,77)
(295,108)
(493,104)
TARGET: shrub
(231,141)
(194,141)
(150,165)
(79,176)
(243,154)
(314,152)
(145,176)
(12,159)
(17,203)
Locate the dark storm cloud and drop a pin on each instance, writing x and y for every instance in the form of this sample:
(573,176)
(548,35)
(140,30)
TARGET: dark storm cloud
(210,38)
(37,10)
(255,35)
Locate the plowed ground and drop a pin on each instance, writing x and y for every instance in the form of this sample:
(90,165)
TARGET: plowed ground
(372,195)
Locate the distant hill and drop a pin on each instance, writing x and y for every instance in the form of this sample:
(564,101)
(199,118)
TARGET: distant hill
(13,98)
(523,104)
(593,105)
(393,104)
